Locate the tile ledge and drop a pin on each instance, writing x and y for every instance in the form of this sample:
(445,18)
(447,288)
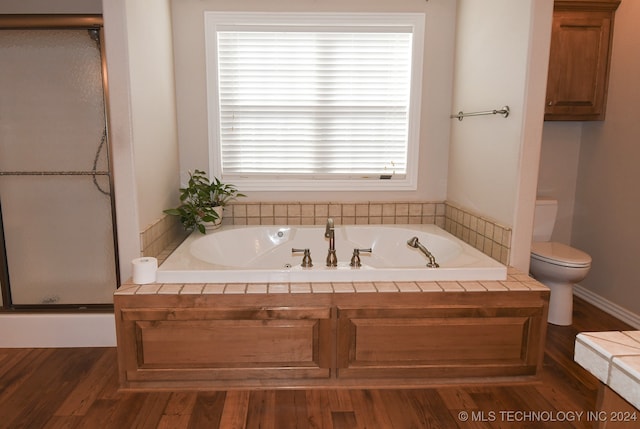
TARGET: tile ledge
(615,360)
(470,286)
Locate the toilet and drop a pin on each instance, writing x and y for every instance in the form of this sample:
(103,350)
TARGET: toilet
(556,265)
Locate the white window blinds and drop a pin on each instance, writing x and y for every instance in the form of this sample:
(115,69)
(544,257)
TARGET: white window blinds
(314,102)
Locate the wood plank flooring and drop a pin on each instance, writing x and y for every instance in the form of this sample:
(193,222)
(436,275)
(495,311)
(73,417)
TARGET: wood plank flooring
(78,388)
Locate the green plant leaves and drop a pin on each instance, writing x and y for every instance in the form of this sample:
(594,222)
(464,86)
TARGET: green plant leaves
(199,199)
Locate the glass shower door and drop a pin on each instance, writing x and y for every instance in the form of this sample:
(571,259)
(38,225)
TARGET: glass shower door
(55,187)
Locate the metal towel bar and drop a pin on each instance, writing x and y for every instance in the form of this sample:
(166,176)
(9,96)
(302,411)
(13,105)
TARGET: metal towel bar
(504,112)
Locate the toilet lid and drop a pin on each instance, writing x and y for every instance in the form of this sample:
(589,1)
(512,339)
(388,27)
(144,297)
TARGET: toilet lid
(560,254)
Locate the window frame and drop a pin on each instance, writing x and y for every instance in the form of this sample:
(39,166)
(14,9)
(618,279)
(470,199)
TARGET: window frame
(275,182)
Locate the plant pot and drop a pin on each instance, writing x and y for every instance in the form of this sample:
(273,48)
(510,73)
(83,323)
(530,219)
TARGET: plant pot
(218,222)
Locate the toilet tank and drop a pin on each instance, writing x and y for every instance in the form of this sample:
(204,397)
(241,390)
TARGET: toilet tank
(544,219)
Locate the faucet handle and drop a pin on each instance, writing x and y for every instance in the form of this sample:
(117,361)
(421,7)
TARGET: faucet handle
(355,259)
(306,258)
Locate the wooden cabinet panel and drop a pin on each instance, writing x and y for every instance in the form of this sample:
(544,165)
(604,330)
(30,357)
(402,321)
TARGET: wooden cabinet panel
(187,345)
(387,343)
(581,38)
(228,343)
(329,340)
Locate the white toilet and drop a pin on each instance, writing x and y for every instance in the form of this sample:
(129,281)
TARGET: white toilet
(556,265)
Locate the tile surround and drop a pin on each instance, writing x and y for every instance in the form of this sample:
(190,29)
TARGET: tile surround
(614,359)
(483,233)
(486,235)
(161,237)
(516,281)
(356,213)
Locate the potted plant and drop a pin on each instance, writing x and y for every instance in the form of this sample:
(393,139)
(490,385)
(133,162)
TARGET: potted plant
(202,202)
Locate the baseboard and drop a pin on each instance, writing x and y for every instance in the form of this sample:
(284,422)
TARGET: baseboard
(607,306)
(57,330)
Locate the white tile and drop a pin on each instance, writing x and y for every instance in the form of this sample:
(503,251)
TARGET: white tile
(493,286)
(278,288)
(451,286)
(364,287)
(343,287)
(473,287)
(127,290)
(235,289)
(300,287)
(170,289)
(150,289)
(614,358)
(429,286)
(588,358)
(612,343)
(534,285)
(513,271)
(322,287)
(213,288)
(386,287)
(594,351)
(519,277)
(625,378)
(514,285)
(633,334)
(408,287)
(192,289)
(256,288)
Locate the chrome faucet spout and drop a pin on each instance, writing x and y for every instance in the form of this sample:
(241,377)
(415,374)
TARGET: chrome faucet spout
(330,233)
(413,242)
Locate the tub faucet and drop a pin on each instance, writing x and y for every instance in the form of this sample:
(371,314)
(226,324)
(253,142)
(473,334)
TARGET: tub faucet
(413,242)
(355,259)
(330,233)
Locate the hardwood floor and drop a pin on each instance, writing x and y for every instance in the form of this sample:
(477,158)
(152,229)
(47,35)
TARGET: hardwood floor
(78,388)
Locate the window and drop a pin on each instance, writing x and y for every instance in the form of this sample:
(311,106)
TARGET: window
(314,101)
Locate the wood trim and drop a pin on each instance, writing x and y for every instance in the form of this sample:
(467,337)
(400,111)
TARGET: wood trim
(50,21)
(329,340)
(586,5)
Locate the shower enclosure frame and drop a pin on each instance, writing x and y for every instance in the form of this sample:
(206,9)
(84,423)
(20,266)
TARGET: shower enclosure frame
(63,21)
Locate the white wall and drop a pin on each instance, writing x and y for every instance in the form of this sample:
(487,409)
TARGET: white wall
(120,134)
(142,118)
(501,59)
(511,60)
(155,138)
(559,172)
(188,27)
(607,207)
(591,169)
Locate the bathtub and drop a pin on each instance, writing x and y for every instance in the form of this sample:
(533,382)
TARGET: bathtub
(263,254)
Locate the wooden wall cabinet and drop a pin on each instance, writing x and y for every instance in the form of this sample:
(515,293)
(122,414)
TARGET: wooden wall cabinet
(581,40)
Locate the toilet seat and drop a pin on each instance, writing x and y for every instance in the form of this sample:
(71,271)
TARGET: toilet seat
(559,254)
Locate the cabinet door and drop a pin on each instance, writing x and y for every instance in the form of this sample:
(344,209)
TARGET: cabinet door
(578,65)
(197,347)
(438,343)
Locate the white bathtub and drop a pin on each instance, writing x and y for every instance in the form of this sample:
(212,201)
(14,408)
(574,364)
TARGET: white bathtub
(262,254)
